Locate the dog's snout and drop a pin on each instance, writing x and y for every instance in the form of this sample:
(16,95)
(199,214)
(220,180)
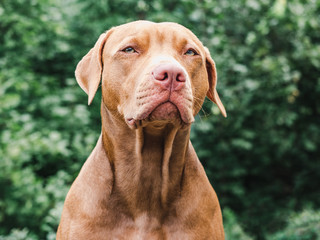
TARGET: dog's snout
(169,76)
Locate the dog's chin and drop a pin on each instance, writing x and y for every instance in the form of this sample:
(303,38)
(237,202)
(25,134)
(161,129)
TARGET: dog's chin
(163,114)
(166,112)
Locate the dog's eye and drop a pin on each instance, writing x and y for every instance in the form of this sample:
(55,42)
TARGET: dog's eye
(191,52)
(129,50)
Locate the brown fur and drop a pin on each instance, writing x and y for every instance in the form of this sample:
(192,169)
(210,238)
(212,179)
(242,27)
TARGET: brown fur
(143,180)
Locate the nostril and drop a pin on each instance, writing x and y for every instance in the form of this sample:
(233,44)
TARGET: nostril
(181,77)
(169,77)
(165,76)
(160,75)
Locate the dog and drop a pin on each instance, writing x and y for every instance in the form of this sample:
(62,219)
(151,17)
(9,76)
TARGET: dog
(143,180)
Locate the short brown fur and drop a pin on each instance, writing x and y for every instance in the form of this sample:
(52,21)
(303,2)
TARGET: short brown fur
(143,180)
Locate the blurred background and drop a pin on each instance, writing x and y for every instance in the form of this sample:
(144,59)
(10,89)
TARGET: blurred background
(263,160)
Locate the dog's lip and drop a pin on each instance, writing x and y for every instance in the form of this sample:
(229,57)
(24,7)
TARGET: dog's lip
(131,121)
(168,111)
(136,122)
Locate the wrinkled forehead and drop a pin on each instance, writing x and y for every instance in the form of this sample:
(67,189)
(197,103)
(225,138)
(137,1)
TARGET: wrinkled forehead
(149,32)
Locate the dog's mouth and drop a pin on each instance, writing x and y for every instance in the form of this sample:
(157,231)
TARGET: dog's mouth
(166,112)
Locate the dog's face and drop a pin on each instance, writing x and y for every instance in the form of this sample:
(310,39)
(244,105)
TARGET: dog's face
(151,72)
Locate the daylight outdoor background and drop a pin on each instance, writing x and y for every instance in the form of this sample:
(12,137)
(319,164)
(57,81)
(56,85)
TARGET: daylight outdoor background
(263,160)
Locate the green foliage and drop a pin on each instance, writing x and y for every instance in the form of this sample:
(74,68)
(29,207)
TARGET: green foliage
(302,226)
(17,234)
(263,160)
(233,230)
(41,149)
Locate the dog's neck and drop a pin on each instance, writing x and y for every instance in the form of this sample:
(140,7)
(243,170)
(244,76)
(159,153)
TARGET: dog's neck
(147,163)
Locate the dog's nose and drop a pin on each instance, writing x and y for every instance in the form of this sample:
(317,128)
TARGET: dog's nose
(169,76)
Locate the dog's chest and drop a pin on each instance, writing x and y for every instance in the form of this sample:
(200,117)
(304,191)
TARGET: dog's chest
(142,228)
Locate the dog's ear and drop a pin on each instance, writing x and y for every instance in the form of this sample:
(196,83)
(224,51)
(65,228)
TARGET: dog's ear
(89,69)
(212,93)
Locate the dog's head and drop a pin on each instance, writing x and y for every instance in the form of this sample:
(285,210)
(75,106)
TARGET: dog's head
(150,72)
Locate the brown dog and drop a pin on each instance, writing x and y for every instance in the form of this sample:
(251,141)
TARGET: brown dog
(143,180)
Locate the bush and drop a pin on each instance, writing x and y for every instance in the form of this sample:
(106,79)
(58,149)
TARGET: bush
(301,226)
(232,228)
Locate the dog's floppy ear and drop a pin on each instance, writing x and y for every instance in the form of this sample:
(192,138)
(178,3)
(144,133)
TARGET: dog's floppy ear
(89,69)
(212,93)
